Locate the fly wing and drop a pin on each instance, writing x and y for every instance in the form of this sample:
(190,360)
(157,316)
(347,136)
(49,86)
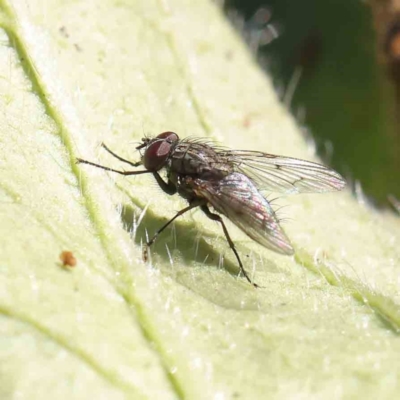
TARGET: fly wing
(283,174)
(238,199)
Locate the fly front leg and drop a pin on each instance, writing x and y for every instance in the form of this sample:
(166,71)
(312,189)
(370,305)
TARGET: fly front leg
(193,204)
(117,171)
(216,217)
(167,187)
(136,164)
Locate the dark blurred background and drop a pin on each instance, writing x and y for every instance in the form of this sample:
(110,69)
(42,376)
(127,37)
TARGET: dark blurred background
(335,63)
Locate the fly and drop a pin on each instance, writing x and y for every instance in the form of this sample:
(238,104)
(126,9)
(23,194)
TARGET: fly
(232,182)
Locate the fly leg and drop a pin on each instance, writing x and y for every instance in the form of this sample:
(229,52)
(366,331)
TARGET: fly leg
(167,187)
(136,164)
(193,204)
(216,217)
(80,161)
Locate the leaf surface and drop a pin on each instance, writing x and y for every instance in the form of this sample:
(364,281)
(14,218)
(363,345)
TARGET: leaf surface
(73,75)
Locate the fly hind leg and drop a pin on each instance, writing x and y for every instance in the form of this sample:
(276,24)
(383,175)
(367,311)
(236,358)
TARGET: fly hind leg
(216,217)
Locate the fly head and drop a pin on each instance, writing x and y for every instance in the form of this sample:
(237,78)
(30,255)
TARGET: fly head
(157,150)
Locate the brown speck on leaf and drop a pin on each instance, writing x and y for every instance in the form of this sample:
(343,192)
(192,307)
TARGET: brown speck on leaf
(68,259)
(63,31)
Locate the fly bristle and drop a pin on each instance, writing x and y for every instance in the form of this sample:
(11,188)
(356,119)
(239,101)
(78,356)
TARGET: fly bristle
(280,208)
(272,201)
(146,137)
(215,145)
(284,220)
(281,218)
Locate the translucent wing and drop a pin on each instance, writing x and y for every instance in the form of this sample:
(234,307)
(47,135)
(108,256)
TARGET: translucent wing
(283,174)
(238,199)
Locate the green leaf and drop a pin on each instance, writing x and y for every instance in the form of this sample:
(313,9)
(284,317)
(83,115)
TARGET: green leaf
(76,74)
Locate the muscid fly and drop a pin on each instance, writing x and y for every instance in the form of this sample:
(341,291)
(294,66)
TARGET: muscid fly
(231,181)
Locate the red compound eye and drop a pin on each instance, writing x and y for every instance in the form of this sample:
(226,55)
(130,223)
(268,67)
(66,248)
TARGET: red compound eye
(158,150)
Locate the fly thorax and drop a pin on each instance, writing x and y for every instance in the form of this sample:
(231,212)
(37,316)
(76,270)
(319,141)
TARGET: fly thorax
(186,164)
(192,158)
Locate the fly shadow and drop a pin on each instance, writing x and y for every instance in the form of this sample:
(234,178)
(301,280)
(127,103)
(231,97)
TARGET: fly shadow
(182,236)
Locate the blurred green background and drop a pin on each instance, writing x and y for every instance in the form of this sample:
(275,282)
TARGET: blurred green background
(345,94)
